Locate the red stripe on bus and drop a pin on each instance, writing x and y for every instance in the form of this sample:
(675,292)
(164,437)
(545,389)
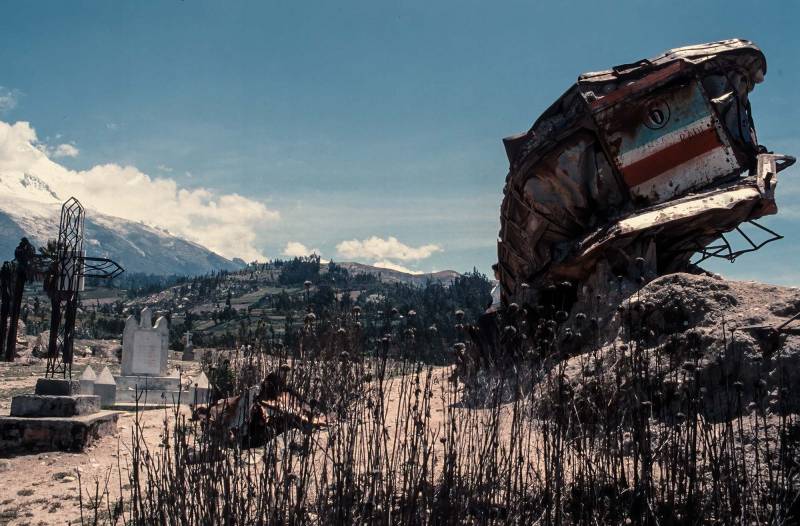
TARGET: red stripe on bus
(645,169)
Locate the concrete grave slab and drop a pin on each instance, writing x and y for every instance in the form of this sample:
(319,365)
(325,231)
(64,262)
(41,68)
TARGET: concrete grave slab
(37,406)
(27,435)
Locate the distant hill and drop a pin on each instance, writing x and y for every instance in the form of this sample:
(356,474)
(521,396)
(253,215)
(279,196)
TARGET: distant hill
(395,276)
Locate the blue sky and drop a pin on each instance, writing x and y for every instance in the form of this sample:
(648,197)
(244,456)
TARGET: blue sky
(360,119)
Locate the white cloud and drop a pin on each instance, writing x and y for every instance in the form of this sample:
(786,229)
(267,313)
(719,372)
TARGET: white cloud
(56,152)
(225,223)
(377,248)
(295,249)
(164,168)
(385,253)
(64,150)
(394,266)
(8,99)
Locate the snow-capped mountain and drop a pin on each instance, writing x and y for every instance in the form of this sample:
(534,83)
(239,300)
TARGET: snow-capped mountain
(30,207)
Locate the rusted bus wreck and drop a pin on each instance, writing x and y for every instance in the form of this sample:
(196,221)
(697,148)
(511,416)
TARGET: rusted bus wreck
(633,171)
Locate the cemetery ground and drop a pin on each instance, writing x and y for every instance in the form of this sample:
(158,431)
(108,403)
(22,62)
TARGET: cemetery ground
(42,487)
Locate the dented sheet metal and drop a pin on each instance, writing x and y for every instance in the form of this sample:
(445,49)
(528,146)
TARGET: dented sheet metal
(656,159)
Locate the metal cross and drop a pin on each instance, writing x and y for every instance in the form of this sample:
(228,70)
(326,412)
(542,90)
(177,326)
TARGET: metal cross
(63,274)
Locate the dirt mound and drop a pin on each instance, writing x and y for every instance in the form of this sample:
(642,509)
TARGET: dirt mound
(723,347)
(678,302)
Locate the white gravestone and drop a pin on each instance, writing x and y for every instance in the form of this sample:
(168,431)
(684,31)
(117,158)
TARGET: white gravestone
(145,347)
(106,388)
(87,381)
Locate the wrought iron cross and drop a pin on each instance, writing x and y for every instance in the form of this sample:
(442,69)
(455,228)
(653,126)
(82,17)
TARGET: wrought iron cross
(64,281)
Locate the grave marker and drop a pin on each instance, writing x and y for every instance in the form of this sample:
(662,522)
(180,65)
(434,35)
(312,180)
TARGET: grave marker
(87,381)
(145,347)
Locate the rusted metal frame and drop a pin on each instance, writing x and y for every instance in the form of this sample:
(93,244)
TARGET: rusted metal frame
(517,231)
(767,230)
(696,56)
(549,227)
(560,119)
(775,237)
(654,80)
(504,270)
(521,261)
(6,281)
(505,274)
(99,268)
(529,242)
(715,251)
(515,195)
(545,268)
(727,75)
(747,238)
(65,294)
(722,130)
(542,143)
(612,162)
(754,246)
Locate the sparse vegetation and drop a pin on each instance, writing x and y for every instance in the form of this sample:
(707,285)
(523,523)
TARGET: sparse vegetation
(626,434)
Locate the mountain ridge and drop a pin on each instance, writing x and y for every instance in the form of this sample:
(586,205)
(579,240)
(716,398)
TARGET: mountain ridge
(29,207)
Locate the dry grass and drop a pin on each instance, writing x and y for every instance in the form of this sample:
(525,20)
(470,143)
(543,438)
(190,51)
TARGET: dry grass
(594,439)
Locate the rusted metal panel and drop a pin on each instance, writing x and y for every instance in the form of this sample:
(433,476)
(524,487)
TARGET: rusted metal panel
(599,101)
(667,142)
